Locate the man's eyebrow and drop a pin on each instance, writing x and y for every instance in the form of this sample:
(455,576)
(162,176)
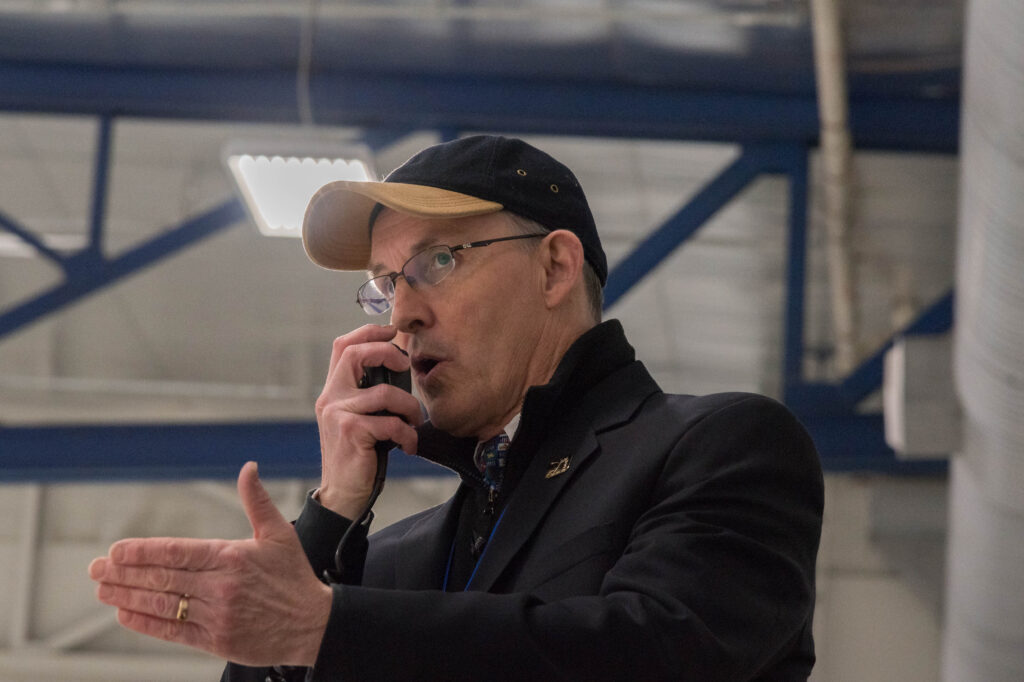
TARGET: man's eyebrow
(380,269)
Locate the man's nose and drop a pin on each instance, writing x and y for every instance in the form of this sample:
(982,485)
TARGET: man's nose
(409,310)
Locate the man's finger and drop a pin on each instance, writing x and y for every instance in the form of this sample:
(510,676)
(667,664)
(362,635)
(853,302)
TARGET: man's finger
(385,428)
(388,398)
(365,334)
(188,553)
(154,578)
(162,628)
(264,517)
(159,604)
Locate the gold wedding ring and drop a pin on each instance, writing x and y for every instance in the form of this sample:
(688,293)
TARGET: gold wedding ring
(182,608)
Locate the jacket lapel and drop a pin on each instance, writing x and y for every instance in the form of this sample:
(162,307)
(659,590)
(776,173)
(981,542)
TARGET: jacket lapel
(557,461)
(426,545)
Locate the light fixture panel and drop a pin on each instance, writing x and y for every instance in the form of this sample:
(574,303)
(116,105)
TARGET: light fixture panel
(277,178)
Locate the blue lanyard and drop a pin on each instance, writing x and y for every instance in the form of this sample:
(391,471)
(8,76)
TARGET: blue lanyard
(451,553)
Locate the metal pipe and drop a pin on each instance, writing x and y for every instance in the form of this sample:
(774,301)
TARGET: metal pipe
(836,157)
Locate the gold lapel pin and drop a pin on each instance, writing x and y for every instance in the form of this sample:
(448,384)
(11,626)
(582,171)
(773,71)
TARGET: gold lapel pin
(557,467)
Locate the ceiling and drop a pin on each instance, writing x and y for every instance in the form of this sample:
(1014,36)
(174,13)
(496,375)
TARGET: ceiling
(712,44)
(608,67)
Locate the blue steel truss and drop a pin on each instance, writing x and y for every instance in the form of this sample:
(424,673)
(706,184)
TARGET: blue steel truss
(414,101)
(172,451)
(88,271)
(848,441)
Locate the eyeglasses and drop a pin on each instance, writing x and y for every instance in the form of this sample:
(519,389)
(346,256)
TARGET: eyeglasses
(426,268)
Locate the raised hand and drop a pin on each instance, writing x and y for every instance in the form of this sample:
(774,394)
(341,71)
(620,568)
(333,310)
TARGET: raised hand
(255,602)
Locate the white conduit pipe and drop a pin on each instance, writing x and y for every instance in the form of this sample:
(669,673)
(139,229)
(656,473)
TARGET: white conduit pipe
(984,628)
(836,158)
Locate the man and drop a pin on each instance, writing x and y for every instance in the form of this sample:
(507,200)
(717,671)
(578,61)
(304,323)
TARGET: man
(603,530)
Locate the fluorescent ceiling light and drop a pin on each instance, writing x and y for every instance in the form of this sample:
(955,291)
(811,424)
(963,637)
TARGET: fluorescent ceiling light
(277,183)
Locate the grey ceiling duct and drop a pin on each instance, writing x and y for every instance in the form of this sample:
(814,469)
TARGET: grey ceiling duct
(984,638)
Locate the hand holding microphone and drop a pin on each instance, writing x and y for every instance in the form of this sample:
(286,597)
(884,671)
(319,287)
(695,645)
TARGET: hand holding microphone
(352,420)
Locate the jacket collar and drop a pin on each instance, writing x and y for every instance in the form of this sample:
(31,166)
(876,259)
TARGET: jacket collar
(595,355)
(558,459)
(597,387)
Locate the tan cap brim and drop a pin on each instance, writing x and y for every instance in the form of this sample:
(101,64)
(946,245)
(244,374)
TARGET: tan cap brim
(335,230)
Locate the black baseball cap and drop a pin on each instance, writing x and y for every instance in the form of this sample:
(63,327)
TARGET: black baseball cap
(465,177)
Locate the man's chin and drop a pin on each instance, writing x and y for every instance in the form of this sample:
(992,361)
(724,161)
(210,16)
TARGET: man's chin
(454,422)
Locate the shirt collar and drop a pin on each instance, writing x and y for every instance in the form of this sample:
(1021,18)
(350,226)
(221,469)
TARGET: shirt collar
(510,430)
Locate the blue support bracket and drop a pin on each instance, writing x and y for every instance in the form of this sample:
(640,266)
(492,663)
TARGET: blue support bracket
(92,255)
(753,161)
(11,225)
(684,224)
(846,441)
(94,273)
(101,171)
(935,319)
(818,397)
(796,271)
(849,442)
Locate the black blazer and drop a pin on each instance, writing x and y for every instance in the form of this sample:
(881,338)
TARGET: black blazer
(679,544)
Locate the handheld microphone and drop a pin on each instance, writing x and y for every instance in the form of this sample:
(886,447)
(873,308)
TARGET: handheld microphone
(371,377)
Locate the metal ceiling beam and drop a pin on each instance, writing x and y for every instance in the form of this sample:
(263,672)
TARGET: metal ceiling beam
(172,451)
(100,176)
(867,377)
(11,225)
(807,398)
(796,269)
(753,161)
(664,240)
(89,272)
(524,106)
(846,442)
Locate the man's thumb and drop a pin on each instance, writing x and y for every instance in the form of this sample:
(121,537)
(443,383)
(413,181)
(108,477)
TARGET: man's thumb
(263,515)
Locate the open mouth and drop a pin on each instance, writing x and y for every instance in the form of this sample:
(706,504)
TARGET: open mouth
(423,365)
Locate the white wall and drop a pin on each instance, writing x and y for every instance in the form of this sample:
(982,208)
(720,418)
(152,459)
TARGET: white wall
(878,615)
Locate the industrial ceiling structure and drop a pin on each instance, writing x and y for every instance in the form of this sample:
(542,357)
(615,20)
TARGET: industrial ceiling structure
(617,76)
(149,332)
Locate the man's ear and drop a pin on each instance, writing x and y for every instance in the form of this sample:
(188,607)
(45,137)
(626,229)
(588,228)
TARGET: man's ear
(562,259)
